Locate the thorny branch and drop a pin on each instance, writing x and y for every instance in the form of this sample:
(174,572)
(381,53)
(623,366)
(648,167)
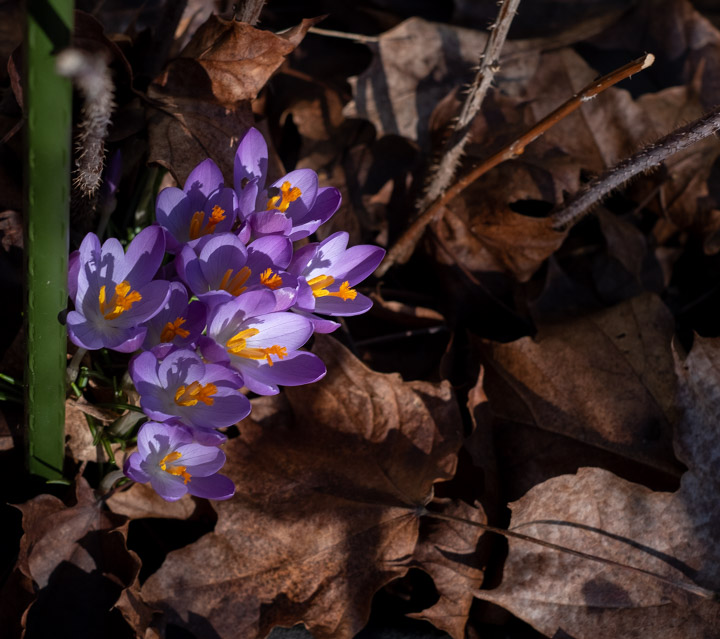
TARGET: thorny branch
(644,160)
(454,147)
(404,247)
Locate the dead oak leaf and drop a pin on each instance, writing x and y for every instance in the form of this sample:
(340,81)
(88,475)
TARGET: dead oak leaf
(79,562)
(329,484)
(201,101)
(672,534)
(606,379)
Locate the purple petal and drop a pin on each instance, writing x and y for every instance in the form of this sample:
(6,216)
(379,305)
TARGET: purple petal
(320,324)
(360,262)
(227,200)
(251,159)
(222,253)
(335,306)
(213,487)
(271,223)
(285,329)
(247,198)
(172,212)
(133,470)
(296,369)
(157,440)
(144,255)
(307,181)
(205,178)
(276,249)
(73,273)
(169,487)
(200,460)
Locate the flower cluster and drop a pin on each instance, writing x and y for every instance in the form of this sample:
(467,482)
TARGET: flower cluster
(230,309)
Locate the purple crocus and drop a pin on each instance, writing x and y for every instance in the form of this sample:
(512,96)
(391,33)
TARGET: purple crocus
(294,205)
(185,390)
(220,268)
(326,273)
(174,464)
(177,325)
(114,291)
(201,208)
(261,344)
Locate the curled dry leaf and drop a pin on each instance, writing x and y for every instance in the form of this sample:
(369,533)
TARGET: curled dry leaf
(447,551)
(329,484)
(201,102)
(140,501)
(673,534)
(605,379)
(79,562)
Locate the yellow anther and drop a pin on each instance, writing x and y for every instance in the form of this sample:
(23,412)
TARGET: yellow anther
(194,393)
(121,301)
(173,330)
(270,279)
(320,283)
(237,345)
(288,194)
(178,471)
(234,284)
(196,224)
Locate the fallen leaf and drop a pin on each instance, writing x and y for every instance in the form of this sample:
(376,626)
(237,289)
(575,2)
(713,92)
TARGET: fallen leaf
(448,552)
(79,563)
(328,490)
(671,534)
(201,101)
(418,63)
(606,379)
(140,500)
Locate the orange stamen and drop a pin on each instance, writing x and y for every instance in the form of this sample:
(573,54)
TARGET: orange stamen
(288,194)
(271,280)
(237,345)
(196,224)
(194,393)
(320,283)
(233,284)
(173,330)
(121,301)
(178,471)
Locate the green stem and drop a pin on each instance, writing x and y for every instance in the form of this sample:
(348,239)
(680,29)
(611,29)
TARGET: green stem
(48,108)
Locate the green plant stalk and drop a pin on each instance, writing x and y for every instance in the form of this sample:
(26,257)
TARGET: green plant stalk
(48,112)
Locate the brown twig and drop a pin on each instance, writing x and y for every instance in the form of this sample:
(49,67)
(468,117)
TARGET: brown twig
(646,159)
(694,589)
(404,247)
(444,171)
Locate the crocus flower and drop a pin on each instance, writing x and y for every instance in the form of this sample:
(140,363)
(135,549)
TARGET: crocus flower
(326,273)
(174,464)
(293,206)
(201,208)
(114,293)
(220,268)
(185,390)
(177,325)
(262,345)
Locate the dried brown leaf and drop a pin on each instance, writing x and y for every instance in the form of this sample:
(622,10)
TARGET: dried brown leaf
(201,102)
(326,508)
(448,553)
(79,562)
(140,501)
(673,534)
(606,379)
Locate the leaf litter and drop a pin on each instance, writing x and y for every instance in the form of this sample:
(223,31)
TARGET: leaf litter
(568,375)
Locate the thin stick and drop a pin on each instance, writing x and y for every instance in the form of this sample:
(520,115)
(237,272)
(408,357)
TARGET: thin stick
(646,159)
(404,247)
(691,588)
(355,37)
(454,147)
